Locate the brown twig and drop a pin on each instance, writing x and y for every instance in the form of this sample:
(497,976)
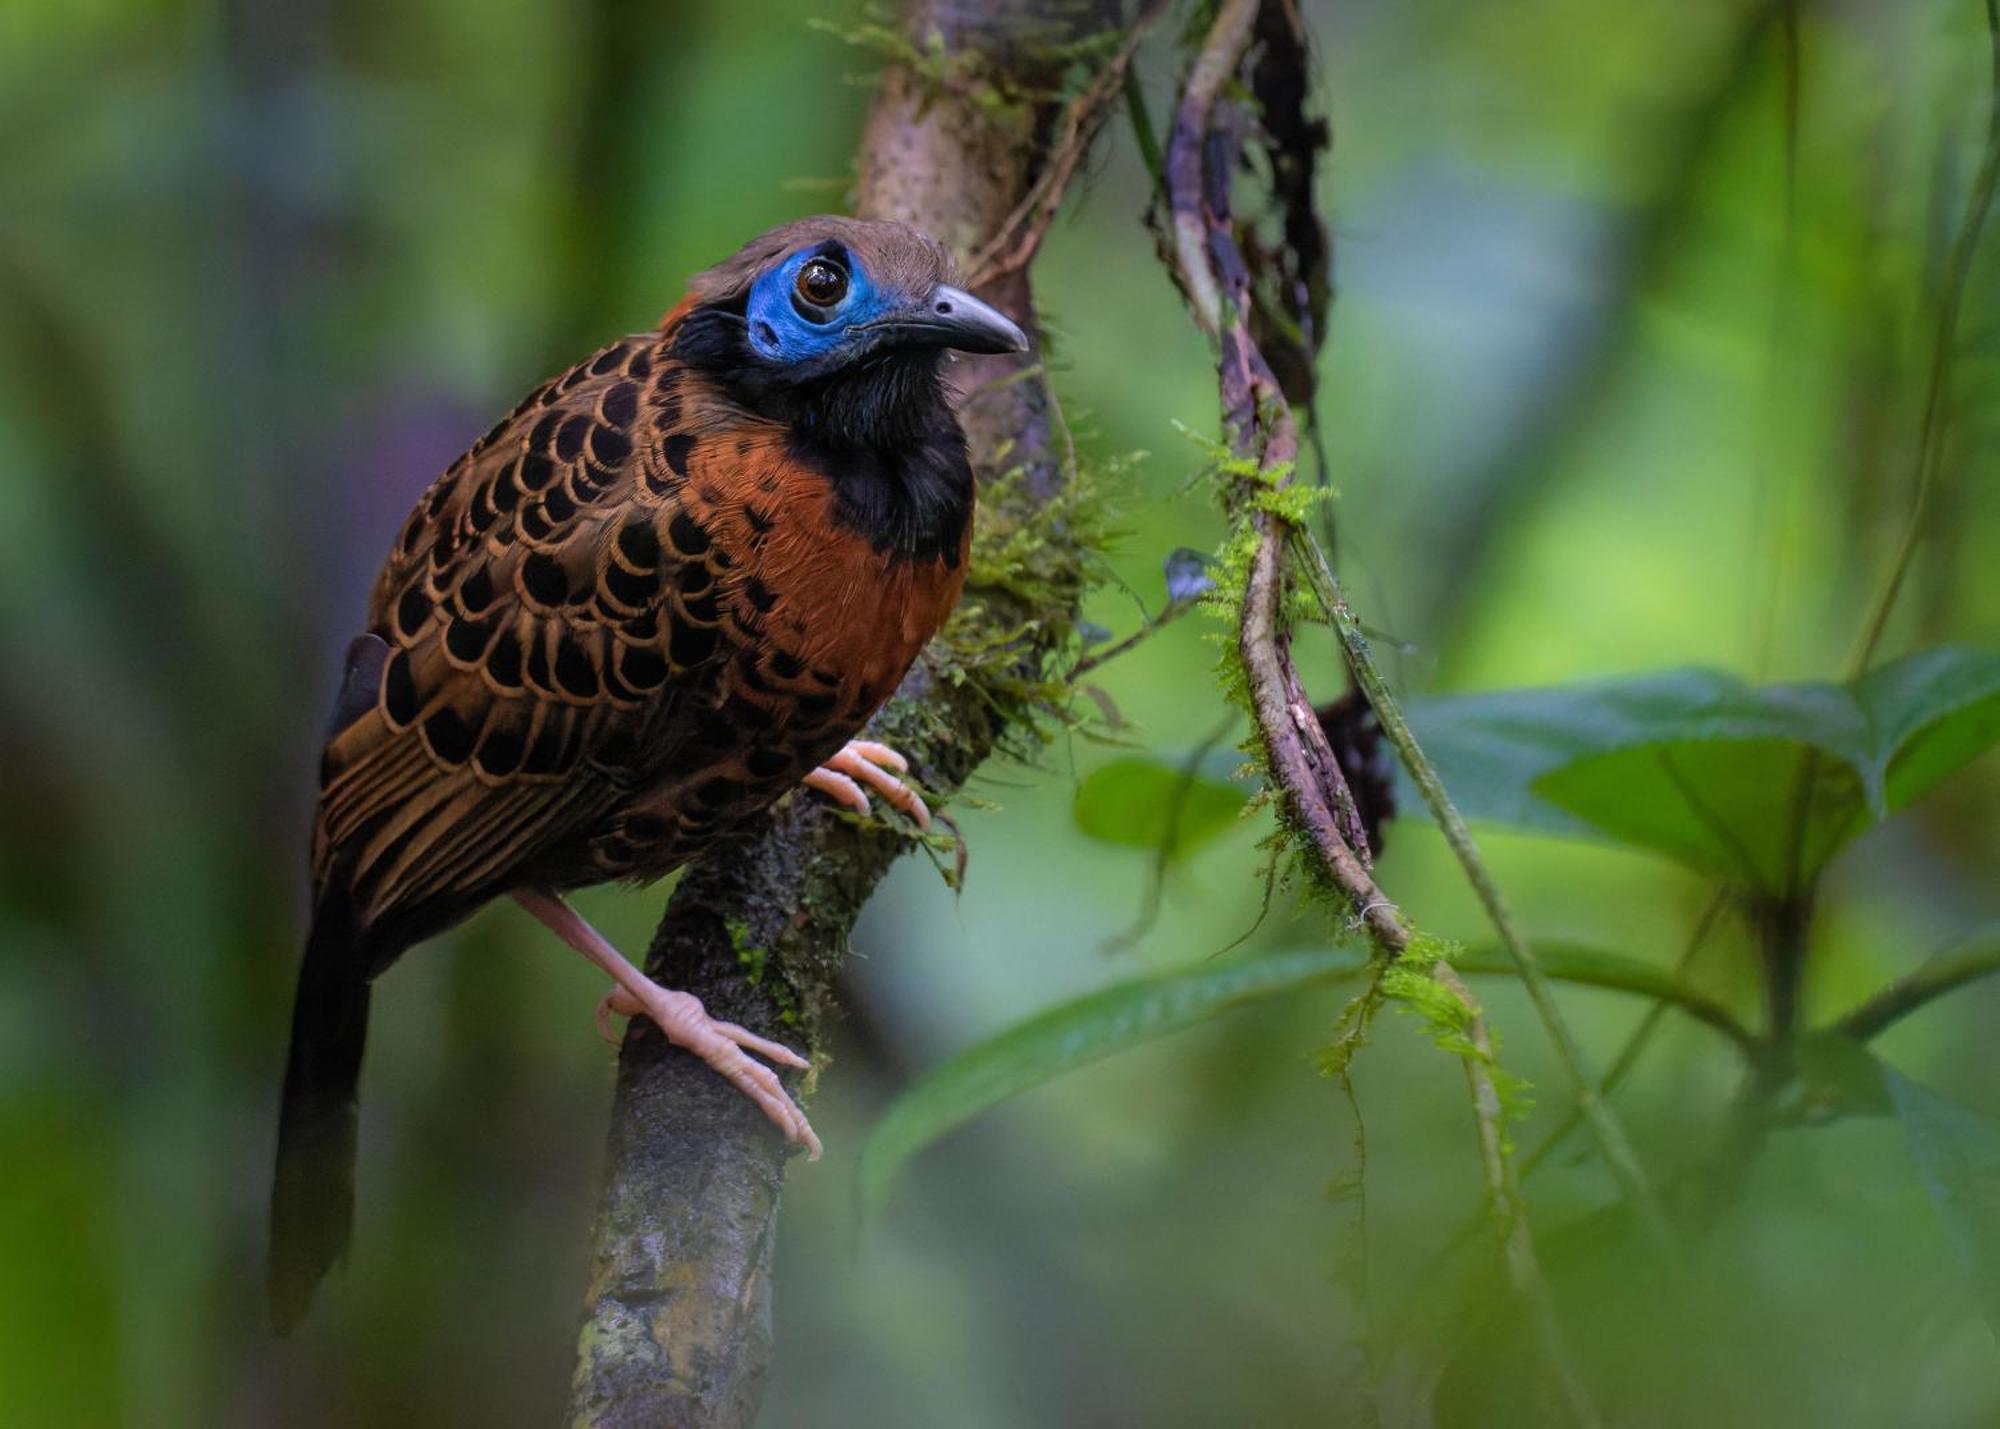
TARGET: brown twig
(1014,245)
(1103,655)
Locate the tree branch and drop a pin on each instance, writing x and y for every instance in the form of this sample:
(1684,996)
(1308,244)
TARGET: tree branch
(1020,235)
(677,1319)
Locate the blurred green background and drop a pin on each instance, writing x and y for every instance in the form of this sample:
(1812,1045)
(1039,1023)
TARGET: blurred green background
(1593,402)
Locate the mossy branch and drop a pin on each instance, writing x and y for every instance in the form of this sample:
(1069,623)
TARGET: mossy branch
(677,1319)
(1316,808)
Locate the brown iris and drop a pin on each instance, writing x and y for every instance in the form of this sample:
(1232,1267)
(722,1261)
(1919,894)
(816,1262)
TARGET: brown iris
(822,283)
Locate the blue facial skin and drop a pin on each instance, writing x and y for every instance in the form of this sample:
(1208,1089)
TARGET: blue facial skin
(783,333)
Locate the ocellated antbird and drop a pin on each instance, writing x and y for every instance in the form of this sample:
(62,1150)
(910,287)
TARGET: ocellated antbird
(671,585)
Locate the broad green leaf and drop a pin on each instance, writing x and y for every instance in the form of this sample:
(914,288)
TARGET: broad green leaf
(1131,1013)
(1491,748)
(1708,770)
(1956,1150)
(1958,1156)
(1725,807)
(1929,714)
(1143,799)
(1076,1033)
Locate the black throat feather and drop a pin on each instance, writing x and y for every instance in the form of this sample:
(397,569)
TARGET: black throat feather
(879,429)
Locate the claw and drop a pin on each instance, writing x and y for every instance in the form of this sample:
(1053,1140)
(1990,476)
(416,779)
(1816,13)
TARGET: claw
(615,1003)
(687,1024)
(682,1018)
(839,788)
(863,761)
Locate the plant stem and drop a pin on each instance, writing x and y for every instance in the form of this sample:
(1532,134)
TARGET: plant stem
(1781,926)
(1781,929)
(1642,1036)
(1173,611)
(1142,131)
(1621,1067)
(1523,1268)
(1944,354)
(1972,958)
(1605,1127)
(1631,976)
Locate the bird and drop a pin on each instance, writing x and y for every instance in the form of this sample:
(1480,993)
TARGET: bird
(668,588)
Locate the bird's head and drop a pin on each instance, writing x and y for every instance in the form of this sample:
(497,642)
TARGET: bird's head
(839,322)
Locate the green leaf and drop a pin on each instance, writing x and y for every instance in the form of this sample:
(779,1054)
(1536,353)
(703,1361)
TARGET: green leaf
(1491,748)
(1699,766)
(1956,1151)
(1931,713)
(1837,1076)
(1131,1013)
(1145,799)
(1958,1156)
(1724,807)
(1074,1034)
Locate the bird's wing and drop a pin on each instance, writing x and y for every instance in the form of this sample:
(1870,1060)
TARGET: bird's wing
(546,609)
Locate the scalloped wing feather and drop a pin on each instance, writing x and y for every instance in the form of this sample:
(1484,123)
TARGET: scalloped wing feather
(626,619)
(544,609)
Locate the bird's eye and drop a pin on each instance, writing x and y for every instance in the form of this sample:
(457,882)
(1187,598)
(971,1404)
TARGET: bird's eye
(822,283)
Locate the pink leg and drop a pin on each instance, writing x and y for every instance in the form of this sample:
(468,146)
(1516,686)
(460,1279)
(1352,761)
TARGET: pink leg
(682,1018)
(863,761)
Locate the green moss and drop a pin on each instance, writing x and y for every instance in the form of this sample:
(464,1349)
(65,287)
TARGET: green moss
(1249,491)
(1293,505)
(1030,564)
(1426,950)
(1351,1031)
(1409,984)
(995,86)
(748,955)
(927,59)
(1030,550)
(755,962)
(1448,1020)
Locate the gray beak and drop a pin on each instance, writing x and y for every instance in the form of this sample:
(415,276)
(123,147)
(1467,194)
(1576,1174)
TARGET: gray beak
(954,318)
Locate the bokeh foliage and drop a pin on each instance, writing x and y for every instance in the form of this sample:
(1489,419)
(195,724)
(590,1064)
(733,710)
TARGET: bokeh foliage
(1634,315)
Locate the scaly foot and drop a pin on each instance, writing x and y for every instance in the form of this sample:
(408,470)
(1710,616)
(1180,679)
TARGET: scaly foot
(682,1018)
(863,761)
(687,1024)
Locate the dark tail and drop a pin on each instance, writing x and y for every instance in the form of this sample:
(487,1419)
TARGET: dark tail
(312,1192)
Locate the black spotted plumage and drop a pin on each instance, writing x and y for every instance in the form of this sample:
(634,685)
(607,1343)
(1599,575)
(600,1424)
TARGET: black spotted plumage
(676,579)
